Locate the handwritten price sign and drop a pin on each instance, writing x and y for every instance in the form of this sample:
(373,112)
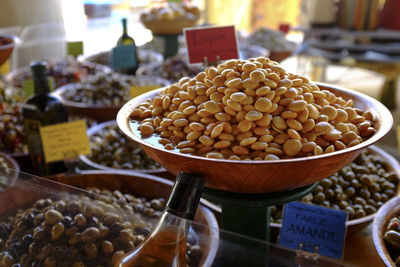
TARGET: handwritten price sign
(64,140)
(211,43)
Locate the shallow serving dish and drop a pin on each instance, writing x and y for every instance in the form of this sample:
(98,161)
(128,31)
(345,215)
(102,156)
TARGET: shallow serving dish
(95,129)
(392,165)
(260,176)
(388,211)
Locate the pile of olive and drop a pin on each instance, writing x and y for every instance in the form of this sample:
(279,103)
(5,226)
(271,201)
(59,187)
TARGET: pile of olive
(81,230)
(360,188)
(112,149)
(12,129)
(392,239)
(64,71)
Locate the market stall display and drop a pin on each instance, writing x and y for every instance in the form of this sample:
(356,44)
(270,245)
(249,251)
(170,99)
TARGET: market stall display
(110,149)
(7,44)
(275,41)
(96,226)
(64,71)
(12,129)
(100,96)
(170,18)
(226,174)
(145,57)
(172,69)
(360,188)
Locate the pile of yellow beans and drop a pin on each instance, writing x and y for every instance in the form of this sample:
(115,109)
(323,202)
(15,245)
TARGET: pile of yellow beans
(252,110)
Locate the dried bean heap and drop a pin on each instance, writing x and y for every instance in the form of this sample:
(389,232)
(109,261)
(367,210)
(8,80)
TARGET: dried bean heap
(252,110)
(81,230)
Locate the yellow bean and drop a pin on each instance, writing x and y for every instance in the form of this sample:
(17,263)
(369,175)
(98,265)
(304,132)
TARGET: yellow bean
(351,113)
(260,131)
(323,127)
(303,115)
(264,121)
(217,130)
(263,90)
(313,111)
(281,138)
(238,97)
(242,136)
(297,105)
(341,115)
(240,150)
(263,104)
(206,140)
(196,126)
(270,83)
(349,137)
(234,83)
(294,124)
(226,137)
(354,143)
(279,123)
(189,110)
(185,144)
(248,141)
(193,135)
(333,135)
(212,107)
(249,67)
(181,122)
(318,150)
(259,145)
(244,126)
(146,129)
(257,75)
(330,149)
(234,105)
(266,138)
(294,134)
(271,157)
(274,151)
(253,115)
(288,114)
(222,144)
(286,83)
(329,111)
(214,155)
(308,147)
(339,145)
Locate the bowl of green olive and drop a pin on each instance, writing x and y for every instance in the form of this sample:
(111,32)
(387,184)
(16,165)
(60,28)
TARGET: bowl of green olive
(361,188)
(112,150)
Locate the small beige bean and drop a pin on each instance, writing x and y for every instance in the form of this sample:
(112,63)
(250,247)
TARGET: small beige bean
(303,115)
(265,120)
(267,138)
(212,107)
(281,138)
(217,130)
(244,126)
(264,90)
(323,127)
(257,75)
(226,137)
(308,147)
(271,157)
(339,145)
(260,131)
(193,135)
(351,113)
(240,150)
(233,83)
(248,141)
(259,146)
(294,124)
(222,144)
(234,105)
(214,155)
(288,114)
(274,150)
(196,126)
(330,149)
(249,84)
(341,115)
(294,134)
(318,150)
(279,123)
(297,105)
(249,67)
(348,137)
(242,136)
(222,116)
(353,143)
(270,83)
(253,115)
(206,140)
(333,135)
(180,123)
(238,96)
(186,144)
(329,111)
(263,104)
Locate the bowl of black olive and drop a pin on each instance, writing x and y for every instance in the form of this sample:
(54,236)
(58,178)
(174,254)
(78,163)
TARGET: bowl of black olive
(56,223)
(360,188)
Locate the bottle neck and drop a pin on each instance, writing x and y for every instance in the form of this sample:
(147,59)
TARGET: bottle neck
(124,28)
(41,84)
(169,220)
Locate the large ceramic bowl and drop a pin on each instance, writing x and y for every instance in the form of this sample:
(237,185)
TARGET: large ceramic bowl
(96,129)
(388,211)
(7,48)
(261,176)
(392,165)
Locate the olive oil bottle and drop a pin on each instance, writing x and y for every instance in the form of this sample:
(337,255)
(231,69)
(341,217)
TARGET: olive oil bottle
(127,40)
(166,245)
(42,109)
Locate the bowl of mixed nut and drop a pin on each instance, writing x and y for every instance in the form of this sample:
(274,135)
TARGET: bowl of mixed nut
(249,126)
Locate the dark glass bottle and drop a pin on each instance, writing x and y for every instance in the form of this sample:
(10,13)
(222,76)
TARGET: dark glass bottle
(42,109)
(166,245)
(125,39)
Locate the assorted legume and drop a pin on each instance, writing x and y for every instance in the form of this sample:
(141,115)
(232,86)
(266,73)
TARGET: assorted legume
(257,108)
(360,188)
(82,230)
(112,149)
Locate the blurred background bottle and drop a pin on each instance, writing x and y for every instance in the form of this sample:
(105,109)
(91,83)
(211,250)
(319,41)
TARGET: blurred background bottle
(166,245)
(42,109)
(125,39)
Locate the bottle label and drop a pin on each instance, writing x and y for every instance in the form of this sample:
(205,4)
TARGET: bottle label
(35,146)
(124,57)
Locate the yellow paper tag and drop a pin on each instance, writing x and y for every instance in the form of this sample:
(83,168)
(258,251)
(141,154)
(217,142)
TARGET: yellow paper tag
(398,138)
(138,90)
(64,140)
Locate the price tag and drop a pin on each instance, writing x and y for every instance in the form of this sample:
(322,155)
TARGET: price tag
(75,48)
(123,57)
(138,90)
(28,86)
(315,228)
(64,140)
(212,43)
